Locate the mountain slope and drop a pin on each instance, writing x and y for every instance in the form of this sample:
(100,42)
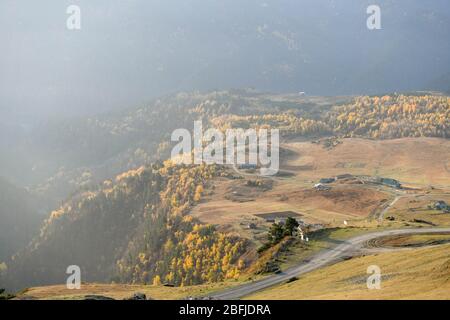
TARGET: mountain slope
(131,230)
(61,156)
(19,219)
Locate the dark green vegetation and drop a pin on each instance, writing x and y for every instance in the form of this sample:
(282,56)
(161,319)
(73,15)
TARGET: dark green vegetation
(278,232)
(4,295)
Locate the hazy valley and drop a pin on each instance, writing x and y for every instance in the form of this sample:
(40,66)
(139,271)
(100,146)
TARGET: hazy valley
(126,215)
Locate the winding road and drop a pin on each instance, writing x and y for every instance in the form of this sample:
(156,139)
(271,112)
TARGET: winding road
(325,257)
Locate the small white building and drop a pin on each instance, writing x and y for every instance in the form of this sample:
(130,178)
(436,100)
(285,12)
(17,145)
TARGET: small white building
(299,233)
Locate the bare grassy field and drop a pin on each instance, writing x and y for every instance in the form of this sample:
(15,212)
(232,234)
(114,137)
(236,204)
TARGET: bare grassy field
(422,161)
(120,291)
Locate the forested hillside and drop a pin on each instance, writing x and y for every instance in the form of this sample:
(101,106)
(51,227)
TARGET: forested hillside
(385,117)
(132,229)
(393,116)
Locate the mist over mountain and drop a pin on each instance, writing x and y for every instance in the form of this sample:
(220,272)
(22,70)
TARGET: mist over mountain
(19,218)
(129,52)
